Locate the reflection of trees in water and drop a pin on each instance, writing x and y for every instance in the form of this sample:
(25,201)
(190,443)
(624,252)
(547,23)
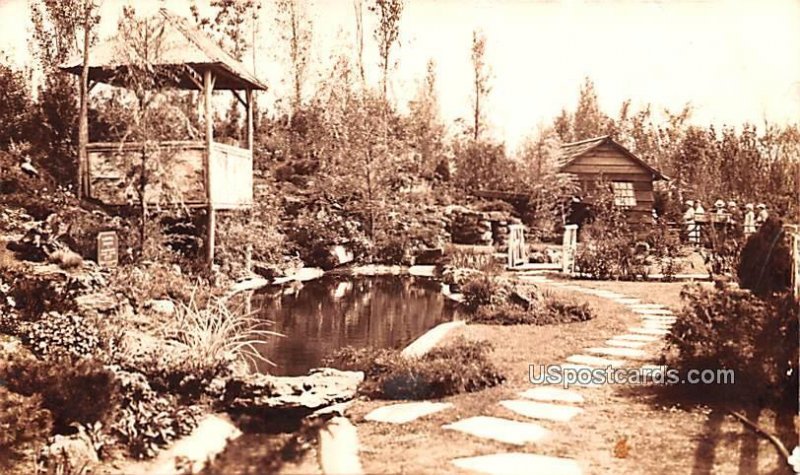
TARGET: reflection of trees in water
(324,315)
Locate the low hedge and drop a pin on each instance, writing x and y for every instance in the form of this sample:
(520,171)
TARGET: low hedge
(459,367)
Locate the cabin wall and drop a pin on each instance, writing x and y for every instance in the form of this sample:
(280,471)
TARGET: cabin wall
(609,163)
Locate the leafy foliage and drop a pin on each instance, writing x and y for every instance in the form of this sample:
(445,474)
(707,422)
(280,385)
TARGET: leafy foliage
(24,423)
(461,366)
(147,421)
(62,333)
(73,390)
(734,329)
(765,261)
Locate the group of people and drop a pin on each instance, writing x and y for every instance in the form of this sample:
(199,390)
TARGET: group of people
(728,214)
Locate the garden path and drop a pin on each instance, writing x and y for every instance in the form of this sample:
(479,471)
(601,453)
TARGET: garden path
(638,347)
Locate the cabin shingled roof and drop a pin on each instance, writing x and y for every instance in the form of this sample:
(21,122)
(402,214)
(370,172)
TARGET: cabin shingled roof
(571,151)
(182,45)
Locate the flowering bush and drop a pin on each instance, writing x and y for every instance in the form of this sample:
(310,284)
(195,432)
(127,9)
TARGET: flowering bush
(61,332)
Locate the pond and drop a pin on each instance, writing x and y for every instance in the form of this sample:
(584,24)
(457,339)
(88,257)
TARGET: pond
(335,311)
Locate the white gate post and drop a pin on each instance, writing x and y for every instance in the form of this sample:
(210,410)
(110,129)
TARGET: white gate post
(568,247)
(516,245)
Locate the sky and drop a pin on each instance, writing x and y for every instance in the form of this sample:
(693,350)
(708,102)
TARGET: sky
(735,61)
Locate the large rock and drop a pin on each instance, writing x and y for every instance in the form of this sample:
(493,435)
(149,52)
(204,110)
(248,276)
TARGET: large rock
(264,393)
(70,454)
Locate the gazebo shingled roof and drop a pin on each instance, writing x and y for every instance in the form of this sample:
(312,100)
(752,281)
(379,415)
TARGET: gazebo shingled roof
(182,45)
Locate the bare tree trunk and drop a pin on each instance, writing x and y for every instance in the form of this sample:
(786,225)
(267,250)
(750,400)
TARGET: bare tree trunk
(83,115)
(359,10)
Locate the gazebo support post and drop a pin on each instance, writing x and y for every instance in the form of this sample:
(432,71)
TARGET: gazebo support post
(208,89)
(249,99)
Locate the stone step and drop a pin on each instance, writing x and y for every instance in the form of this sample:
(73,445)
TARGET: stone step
(542,410)
(552,394)
(406,411)
(502,430)
(625,343)
(618,352)
(594,361)
(515,463)
(637,337)
(653,311)
(648,331)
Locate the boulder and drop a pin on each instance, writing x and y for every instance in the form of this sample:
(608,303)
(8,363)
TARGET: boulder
(260,393)
(70,454)
(161,306)
(429,257)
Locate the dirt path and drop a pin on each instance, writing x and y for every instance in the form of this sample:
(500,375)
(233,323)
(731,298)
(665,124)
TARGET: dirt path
(622,430)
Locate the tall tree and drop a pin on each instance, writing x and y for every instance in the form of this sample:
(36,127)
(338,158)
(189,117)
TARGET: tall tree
(296,30)
(61,29)
(480,81)
(387,33)
(358,7)
(589,121)
(426,130)
(89,21)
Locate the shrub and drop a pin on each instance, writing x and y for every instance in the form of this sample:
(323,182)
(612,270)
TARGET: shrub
(61,332)
(765,262)
(484,289)
(23,423)
(461,366)
(147,421)
(734,329)
(74,390)
(549,311)
(394,251)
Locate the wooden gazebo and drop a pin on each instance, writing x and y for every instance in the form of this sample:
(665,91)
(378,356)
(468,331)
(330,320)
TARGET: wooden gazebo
(207,174)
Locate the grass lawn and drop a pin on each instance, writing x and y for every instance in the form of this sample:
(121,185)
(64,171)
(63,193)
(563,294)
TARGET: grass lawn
(661,437)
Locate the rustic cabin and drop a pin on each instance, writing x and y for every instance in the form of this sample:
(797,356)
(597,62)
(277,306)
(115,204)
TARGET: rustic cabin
(630,178)
(201,172)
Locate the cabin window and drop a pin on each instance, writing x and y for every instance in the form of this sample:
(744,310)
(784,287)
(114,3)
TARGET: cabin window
(623,193)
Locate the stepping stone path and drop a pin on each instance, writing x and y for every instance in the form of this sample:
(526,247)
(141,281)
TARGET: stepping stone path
(542,410)
(550,403)
(503,430)
(515,463)
(552,394)
(623,352)
(625,343)
(594,361)
(406,412)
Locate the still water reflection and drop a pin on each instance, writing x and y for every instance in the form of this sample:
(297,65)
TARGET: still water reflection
(332,312)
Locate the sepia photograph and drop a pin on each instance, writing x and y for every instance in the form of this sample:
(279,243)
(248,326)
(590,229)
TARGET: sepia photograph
(349,237)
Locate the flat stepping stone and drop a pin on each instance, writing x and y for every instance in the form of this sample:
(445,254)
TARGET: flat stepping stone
(552,394)
(648,331)
(542,410)
(406,411)
(620,352)
(637,337)
(649,305)
(660,318)
(626,343)
(503,430)
(646,311)
(515,463)
(661,325)
(627,301)
(588,360)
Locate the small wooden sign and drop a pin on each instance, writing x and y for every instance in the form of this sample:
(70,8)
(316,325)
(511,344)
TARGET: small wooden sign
(107,249)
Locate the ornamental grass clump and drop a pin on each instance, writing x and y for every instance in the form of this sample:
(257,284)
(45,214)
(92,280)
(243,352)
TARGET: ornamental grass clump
(215,334)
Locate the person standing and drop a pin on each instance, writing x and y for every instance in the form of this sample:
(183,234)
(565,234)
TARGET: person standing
(688,221)
(749,220)
(763,214)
